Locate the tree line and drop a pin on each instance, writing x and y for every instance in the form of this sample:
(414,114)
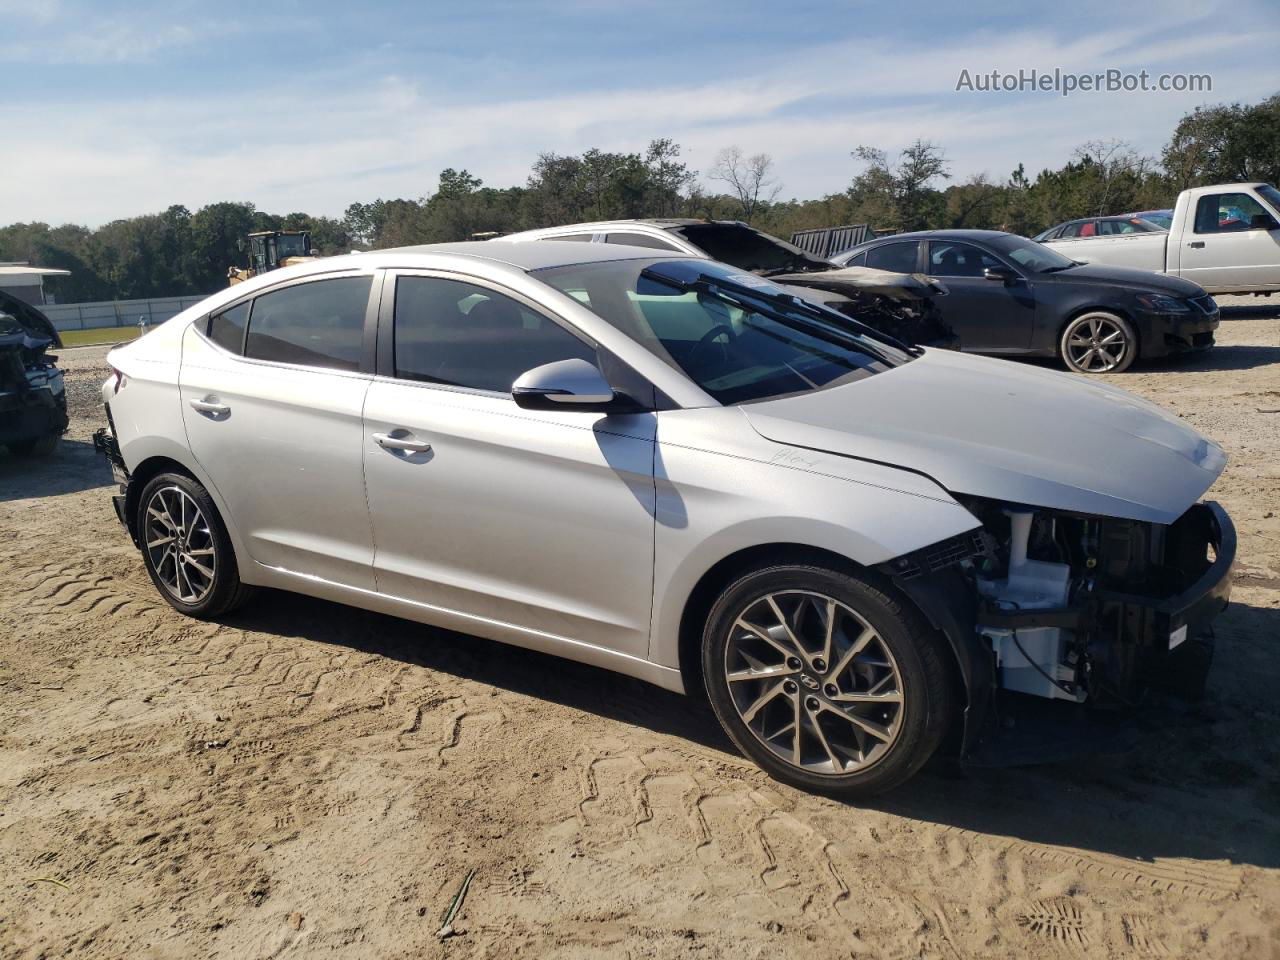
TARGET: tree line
(179,252)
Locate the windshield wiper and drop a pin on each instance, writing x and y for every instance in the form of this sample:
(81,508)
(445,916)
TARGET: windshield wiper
(825,317)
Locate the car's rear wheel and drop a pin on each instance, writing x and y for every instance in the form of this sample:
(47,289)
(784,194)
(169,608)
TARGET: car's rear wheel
(186,548)
(826,680)
(1098,342)
(37,447)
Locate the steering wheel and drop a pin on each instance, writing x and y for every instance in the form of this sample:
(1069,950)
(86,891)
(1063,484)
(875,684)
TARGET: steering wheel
(716,331)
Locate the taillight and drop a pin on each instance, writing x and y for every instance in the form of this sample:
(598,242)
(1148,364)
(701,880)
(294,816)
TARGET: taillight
(119,375)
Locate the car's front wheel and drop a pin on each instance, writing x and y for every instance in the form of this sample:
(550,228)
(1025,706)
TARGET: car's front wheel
(1099,342)
(826,680)
(186,547)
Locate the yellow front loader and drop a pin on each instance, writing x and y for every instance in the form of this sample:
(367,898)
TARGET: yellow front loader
(269,249)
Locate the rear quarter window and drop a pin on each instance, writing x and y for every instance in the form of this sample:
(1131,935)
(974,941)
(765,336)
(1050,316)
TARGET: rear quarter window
(226,329)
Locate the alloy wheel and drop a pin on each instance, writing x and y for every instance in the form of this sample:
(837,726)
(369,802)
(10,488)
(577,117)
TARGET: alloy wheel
(1096,343)
(180,544)
(814,682)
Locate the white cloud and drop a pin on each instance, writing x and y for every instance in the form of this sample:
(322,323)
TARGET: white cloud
(50,33)
(317,147)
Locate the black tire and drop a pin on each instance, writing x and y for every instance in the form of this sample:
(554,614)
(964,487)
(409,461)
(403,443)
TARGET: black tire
(218,594)
(37,447)
(923,678)
(1086,344)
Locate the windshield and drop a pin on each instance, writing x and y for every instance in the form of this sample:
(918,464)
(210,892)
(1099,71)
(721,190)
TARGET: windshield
(291,245)
(1161,218)
(737,336)
(1031,255)
(1271,195)
(1127,225)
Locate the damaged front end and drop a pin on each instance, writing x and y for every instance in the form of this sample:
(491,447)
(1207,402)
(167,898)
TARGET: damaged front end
(901,305)
(33,399)
(1057,606)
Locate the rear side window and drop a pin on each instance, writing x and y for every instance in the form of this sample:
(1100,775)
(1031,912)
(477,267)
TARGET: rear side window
(226,329)
(858,260)
(317,324)
(463,335)
(575,237)
(898,257)
(640,240)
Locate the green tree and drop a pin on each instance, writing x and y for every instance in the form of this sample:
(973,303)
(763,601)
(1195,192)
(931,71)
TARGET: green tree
(1224,144)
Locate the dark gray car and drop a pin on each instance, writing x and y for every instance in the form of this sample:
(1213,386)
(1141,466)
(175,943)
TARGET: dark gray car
(1009,295)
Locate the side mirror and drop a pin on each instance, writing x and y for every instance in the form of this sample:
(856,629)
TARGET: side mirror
(1263,221)
(563,385)
(1000,274)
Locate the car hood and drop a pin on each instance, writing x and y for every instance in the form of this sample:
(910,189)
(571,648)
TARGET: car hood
(1007,431)
(1127,277)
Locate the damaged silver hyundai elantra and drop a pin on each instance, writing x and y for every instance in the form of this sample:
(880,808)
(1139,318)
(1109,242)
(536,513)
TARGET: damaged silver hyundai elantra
(668,468)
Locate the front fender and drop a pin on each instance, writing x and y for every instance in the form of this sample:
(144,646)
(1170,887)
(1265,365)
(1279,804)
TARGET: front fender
(712,504)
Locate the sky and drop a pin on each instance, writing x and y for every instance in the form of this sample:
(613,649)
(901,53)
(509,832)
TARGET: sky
(111,110)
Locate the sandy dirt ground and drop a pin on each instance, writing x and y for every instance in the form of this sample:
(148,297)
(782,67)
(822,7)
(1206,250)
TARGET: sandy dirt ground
(310,780)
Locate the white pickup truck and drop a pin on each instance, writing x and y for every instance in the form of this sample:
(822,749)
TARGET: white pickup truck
(1226,238)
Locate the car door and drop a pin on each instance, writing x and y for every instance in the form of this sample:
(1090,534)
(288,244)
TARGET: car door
(1230,246)
(272,395)
(991,316)
(524,522)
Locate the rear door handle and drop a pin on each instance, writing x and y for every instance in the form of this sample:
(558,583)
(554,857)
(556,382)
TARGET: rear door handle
(1196,243)
(388,442)
(210,406)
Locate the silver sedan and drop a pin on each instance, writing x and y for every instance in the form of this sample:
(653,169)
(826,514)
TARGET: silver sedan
(676,470)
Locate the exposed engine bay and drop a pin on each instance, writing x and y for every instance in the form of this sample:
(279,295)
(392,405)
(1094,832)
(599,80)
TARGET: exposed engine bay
(33,399)
(898,304)
(1091,610)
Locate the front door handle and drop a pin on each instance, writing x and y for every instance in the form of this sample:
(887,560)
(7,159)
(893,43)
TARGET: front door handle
(387,442)
(210,406)
(1196,243)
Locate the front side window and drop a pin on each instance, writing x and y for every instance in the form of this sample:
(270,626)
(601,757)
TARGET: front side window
(315,324)
(226,329)
(857,260)
(898,257)
(950,259)
(641,240)
(1226,212)
(738,336)
(463,335)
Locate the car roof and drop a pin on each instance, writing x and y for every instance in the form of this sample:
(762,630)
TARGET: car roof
(940,235)
(595,226)
(525,256)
